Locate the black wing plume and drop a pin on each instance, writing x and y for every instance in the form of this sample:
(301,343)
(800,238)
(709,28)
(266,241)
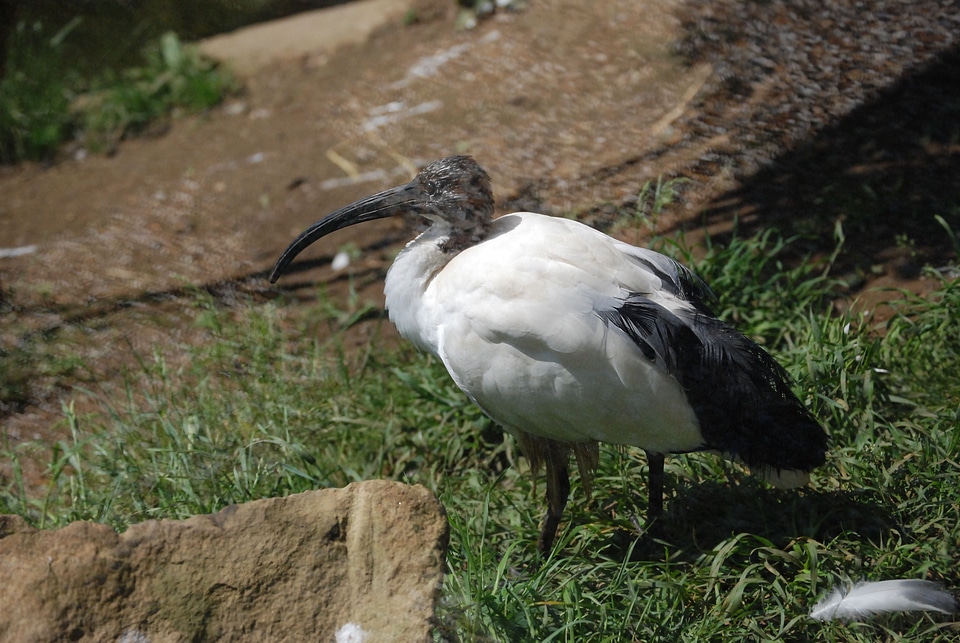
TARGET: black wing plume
(740,394)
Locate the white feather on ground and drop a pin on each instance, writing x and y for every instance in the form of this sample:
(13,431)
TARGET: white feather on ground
(865,600)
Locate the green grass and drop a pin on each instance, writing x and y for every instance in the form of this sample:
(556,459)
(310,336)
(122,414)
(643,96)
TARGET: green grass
(265,408)
(174,78)
(44,102)
(34,95)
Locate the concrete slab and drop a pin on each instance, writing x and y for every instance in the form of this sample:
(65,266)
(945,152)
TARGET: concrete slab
(305,34)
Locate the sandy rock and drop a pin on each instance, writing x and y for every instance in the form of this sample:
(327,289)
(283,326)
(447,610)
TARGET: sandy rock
(312,33)
(365,561)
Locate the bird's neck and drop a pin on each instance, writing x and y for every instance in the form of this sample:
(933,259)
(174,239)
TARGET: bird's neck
(410,276)
(453,241)
(452,238)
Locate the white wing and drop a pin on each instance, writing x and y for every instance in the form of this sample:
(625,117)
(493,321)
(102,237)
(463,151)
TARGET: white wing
(519,331)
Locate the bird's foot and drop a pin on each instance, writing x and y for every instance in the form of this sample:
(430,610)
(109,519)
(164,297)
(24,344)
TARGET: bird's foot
(639,543)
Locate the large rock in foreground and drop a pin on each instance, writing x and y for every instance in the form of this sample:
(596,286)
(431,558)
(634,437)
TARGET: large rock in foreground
(299,568)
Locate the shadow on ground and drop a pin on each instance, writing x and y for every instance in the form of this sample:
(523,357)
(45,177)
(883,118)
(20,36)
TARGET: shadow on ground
(884,172)
(703,515)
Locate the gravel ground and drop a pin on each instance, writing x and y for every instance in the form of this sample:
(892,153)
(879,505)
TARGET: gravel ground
(830,108)
(814,113)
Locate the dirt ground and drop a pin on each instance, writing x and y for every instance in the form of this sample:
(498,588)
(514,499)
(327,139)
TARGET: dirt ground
(794,115)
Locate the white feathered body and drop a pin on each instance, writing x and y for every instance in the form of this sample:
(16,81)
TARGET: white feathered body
(514,320)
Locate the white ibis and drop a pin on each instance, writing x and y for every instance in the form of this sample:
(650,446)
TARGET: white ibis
(568,337)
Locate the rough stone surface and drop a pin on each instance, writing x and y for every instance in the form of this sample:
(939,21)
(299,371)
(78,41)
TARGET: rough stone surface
(282,569)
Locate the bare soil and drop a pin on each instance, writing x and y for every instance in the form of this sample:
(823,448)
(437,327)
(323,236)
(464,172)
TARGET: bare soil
(795,115)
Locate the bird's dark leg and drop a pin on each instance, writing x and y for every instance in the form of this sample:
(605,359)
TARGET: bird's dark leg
(558,490)
(655,488)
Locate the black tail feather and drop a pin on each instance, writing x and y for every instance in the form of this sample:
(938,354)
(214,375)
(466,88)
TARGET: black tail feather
(740,394)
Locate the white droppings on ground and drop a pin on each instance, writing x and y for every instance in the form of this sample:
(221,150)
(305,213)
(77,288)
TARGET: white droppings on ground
(340,261)
(351,633)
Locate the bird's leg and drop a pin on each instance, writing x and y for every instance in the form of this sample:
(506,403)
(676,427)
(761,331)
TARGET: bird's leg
(655,488)
(558,490)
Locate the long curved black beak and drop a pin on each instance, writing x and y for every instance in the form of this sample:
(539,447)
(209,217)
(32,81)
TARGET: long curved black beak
(379,206)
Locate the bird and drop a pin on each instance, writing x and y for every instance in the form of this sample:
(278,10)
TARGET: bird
(567,338)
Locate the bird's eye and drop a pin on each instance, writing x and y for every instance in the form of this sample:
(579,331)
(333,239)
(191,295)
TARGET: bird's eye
(431,188)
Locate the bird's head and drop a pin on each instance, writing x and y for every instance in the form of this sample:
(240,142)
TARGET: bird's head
(453,193)
(454,190)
